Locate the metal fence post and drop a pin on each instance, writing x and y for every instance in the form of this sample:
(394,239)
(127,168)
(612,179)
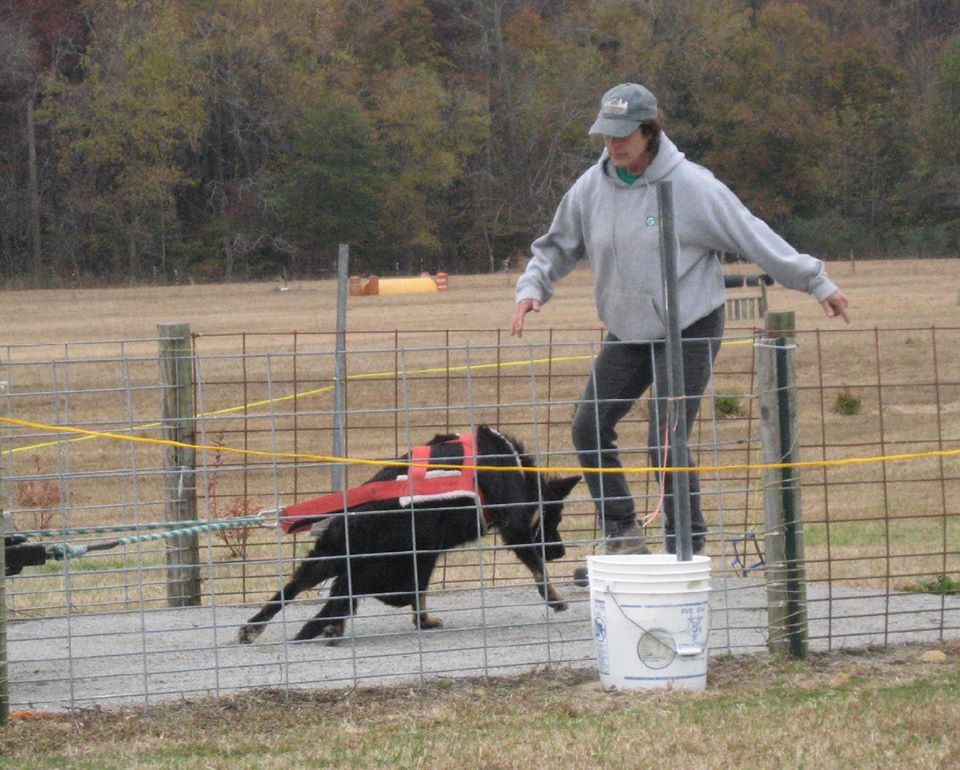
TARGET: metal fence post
(339,476)
(676,388)
(180,486)
(785,569)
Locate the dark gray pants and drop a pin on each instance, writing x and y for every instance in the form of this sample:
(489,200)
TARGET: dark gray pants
(622,372)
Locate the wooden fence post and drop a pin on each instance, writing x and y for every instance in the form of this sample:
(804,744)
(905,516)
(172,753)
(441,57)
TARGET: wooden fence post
(180,486)
(785,569)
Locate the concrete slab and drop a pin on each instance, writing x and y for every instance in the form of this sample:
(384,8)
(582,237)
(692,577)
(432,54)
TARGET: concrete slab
(142,658)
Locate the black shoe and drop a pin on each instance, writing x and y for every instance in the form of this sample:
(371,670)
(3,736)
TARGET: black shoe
(581,577)
(699,542)
(629,541)
(632,540)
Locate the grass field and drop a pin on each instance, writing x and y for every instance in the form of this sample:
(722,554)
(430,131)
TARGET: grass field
(887,293)
(906,378)
(895,708)
(866,524)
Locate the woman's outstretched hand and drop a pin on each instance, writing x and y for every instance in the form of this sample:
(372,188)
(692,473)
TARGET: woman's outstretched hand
(523,307)
(834,305)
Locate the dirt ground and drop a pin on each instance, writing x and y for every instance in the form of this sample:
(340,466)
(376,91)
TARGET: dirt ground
(888,293)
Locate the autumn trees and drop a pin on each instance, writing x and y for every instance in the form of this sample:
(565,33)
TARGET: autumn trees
(167,140)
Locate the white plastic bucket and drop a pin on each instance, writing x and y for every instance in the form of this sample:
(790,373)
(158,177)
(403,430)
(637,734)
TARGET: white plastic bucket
(651,620)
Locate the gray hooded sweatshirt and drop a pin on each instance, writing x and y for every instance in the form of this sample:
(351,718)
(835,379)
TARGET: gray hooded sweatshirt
(616,226)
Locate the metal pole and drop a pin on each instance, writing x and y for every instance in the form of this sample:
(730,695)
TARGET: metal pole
(792,524)
(338,476)
(785,567)
(4,671)
(676,411)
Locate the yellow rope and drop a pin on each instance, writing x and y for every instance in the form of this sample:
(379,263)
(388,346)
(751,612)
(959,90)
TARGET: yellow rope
(562,469)
(316,392)
(327,388)
(87,435)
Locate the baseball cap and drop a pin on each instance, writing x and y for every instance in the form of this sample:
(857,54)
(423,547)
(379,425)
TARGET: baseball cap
(623,108)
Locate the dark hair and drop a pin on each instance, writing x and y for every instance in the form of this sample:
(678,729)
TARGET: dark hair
(653,129)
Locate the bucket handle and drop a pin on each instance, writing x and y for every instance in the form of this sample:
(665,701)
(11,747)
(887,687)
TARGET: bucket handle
(683,650)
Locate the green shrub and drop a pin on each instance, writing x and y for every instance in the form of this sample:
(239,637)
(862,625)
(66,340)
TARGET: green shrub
(728,406)
(847,403)
(941,584)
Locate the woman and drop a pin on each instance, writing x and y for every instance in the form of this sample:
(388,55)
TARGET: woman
(610,216)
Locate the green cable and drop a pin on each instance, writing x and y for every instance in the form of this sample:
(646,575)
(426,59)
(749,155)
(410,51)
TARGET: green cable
(61,551)
(242,520)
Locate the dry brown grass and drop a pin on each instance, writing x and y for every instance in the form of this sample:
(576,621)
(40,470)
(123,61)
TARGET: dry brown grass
(892,708)
(887,293)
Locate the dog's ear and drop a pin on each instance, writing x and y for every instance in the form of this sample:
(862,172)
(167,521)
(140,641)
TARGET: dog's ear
(560,488)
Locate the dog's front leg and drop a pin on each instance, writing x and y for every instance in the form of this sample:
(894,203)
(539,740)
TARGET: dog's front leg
(531,558)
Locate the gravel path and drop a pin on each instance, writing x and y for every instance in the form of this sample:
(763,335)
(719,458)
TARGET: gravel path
(135,658)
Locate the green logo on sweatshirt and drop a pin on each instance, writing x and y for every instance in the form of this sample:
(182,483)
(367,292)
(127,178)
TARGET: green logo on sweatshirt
(651,221)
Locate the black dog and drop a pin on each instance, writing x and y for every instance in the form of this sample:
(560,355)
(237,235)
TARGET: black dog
(393,545)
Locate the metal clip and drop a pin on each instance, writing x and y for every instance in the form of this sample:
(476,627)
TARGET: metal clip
(270,517)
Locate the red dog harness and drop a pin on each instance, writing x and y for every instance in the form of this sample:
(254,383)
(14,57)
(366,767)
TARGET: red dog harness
(420,484)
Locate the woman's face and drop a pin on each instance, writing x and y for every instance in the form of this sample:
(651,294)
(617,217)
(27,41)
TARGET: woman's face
(629,152)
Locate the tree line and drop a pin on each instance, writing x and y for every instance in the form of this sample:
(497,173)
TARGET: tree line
(192,140)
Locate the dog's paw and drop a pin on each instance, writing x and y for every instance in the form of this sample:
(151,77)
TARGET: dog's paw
(332,634)
(428,623)
(248,633)
(558,605)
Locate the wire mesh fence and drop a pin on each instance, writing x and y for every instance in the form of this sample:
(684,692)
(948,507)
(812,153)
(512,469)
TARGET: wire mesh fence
(83,463)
